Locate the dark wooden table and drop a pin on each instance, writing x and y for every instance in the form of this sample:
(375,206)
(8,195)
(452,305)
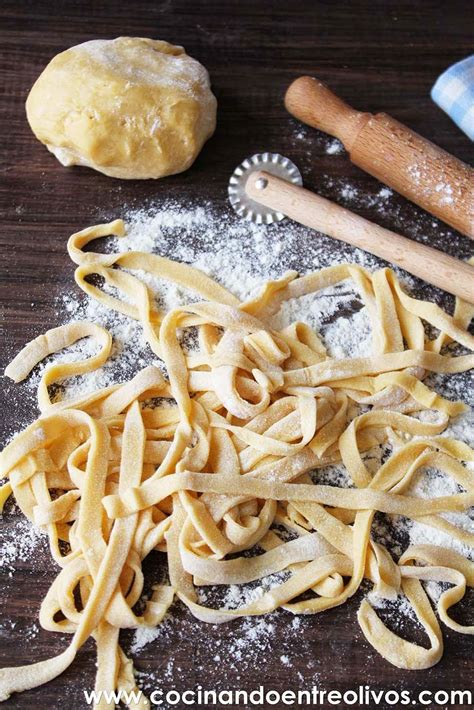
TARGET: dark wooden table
(380,55)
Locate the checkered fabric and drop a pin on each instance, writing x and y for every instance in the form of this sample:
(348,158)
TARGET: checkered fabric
(454,93)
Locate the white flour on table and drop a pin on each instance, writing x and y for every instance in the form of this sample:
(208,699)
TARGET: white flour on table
(240,256)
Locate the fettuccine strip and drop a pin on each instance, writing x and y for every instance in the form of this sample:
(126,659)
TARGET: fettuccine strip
(248,416)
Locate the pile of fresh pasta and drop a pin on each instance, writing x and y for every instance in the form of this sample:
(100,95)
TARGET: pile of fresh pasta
(214,458)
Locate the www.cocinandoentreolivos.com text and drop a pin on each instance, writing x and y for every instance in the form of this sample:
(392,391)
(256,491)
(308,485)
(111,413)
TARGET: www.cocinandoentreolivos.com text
(363,696)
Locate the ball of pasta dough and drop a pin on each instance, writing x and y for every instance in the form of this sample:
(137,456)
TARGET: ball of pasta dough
(128,107)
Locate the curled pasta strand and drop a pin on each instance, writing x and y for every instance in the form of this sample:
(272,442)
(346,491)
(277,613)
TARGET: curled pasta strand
(226,463)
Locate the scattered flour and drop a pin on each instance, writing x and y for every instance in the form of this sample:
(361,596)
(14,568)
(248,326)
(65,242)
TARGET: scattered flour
(385,193)
(143,636)
(334,147)
(337,314)
(430,483)
(401,605)
(349,192)
(238,647)
(445,192)
(241,256)
(236,596)
(20,542)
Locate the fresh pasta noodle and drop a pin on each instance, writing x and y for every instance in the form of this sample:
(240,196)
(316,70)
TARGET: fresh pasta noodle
(111,477)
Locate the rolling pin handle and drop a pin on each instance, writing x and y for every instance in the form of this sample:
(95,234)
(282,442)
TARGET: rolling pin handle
(316,212)
(312,102)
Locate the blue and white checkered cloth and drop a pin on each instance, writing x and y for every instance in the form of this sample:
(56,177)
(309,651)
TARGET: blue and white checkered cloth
(454,93)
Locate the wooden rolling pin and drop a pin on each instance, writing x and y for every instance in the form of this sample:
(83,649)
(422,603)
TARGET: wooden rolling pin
(305,207)
(391,152)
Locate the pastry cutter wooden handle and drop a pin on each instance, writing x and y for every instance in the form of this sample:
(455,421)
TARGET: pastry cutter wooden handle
(267,187)
(385,148)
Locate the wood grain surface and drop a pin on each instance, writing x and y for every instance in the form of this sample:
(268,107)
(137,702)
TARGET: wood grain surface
(380,55)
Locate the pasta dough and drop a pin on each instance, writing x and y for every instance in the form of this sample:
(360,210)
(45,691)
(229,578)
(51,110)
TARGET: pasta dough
(248,416)
(128,107)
